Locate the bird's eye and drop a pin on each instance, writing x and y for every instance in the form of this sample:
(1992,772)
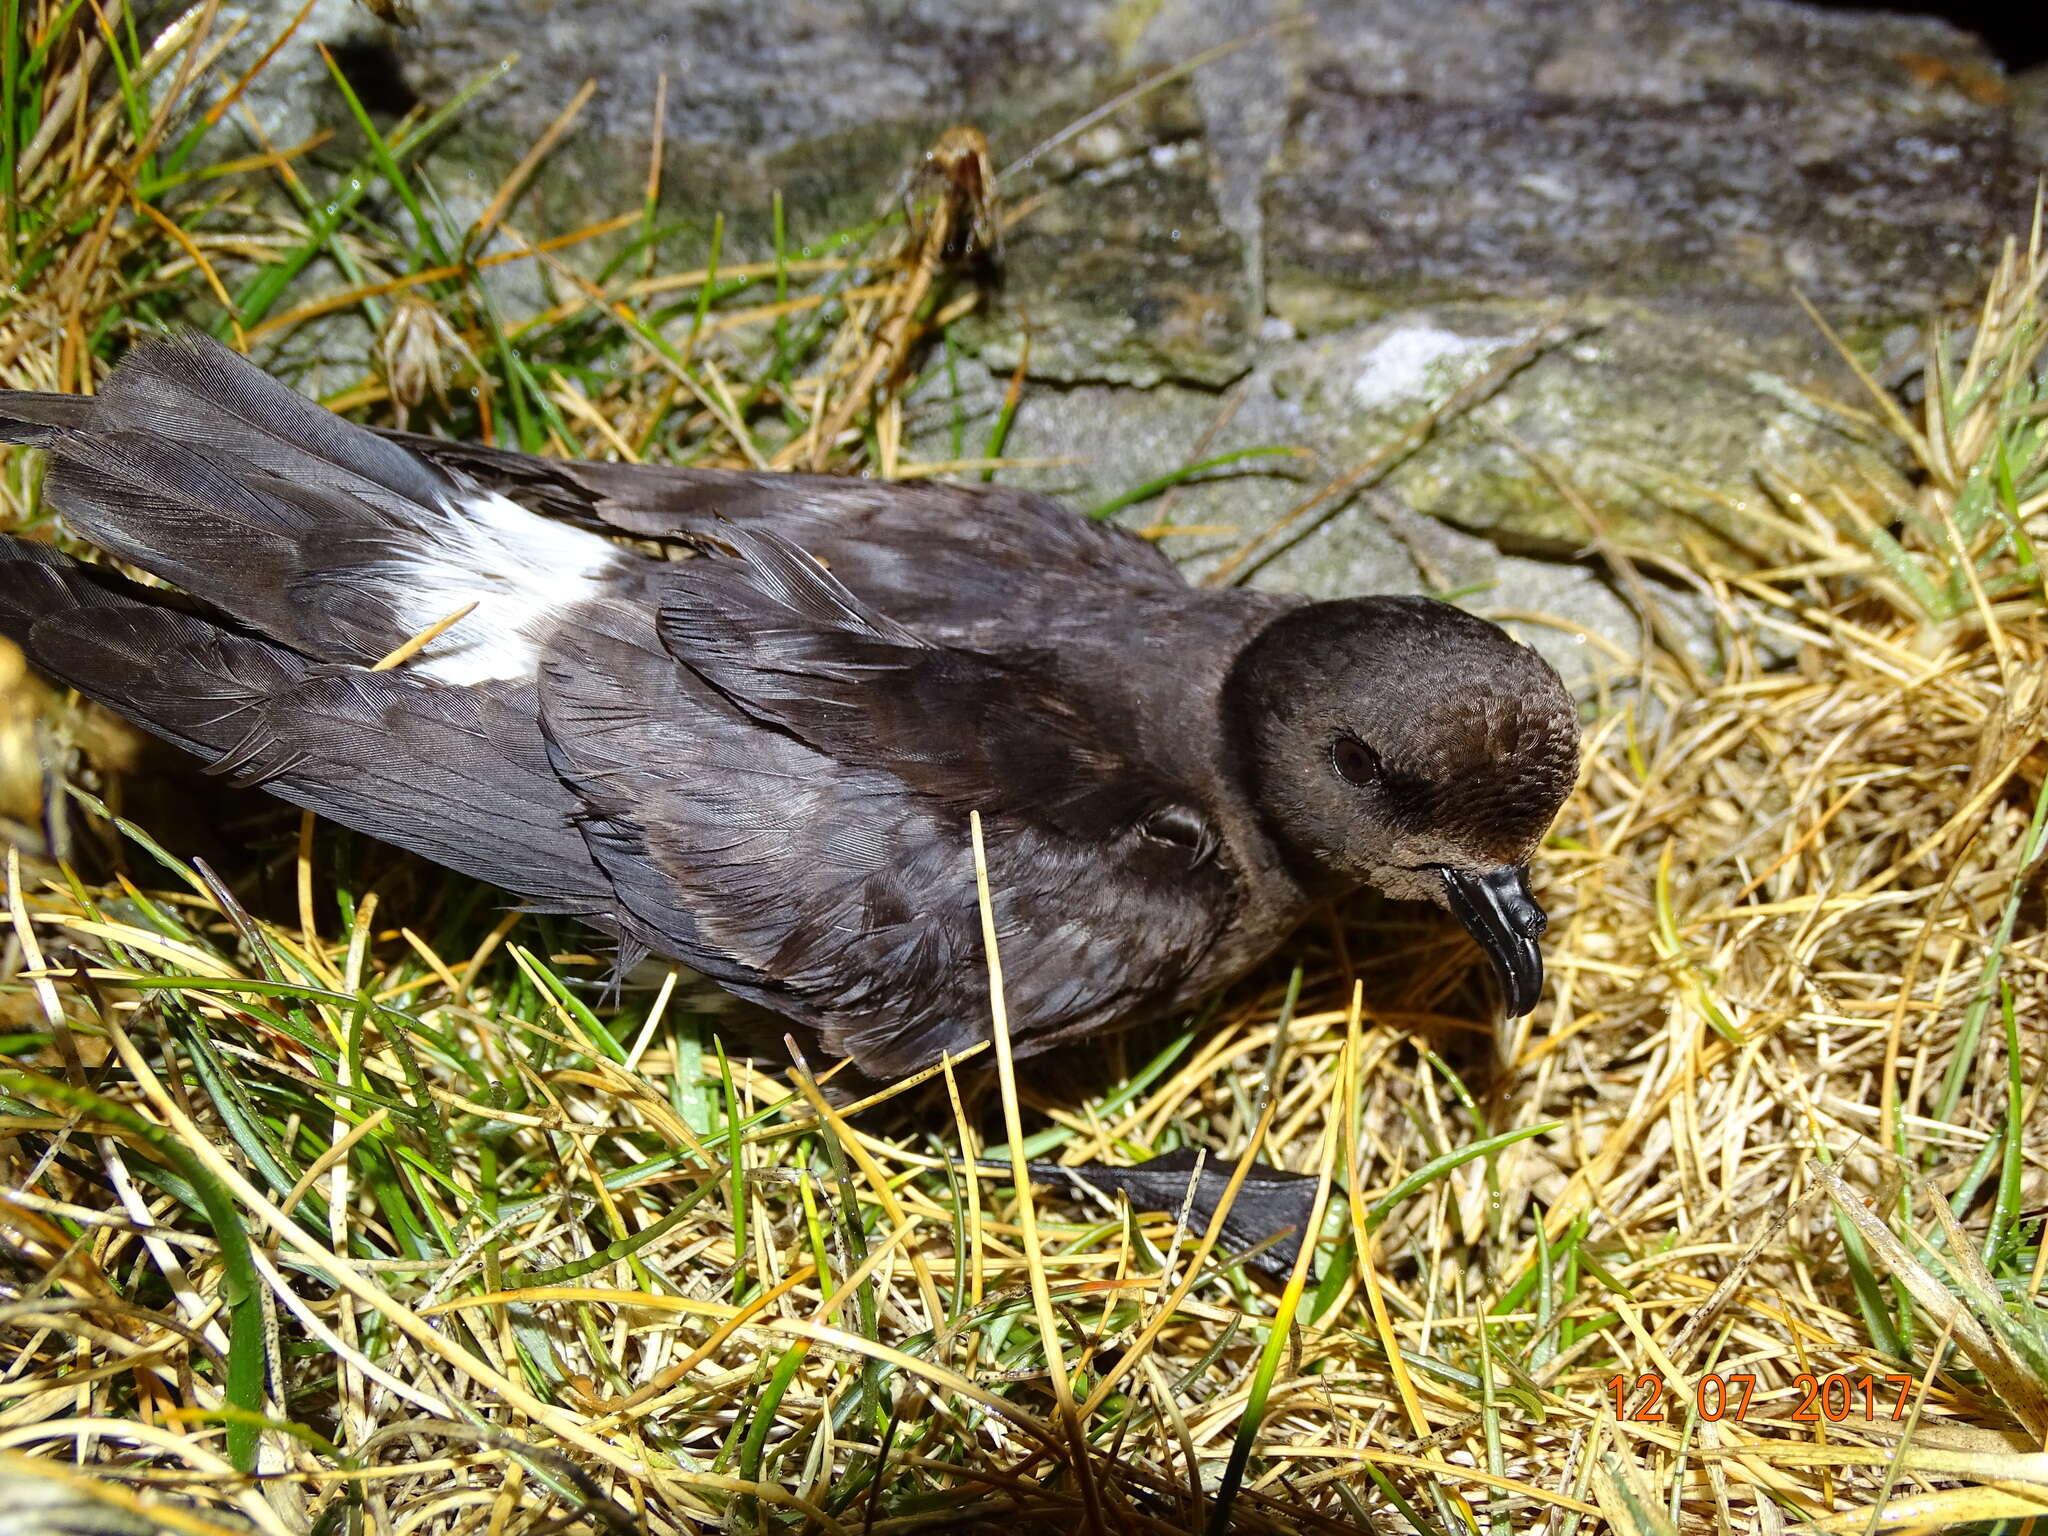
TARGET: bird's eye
(1355,762)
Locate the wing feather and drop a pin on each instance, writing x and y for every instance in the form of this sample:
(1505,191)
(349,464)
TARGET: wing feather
(793,773)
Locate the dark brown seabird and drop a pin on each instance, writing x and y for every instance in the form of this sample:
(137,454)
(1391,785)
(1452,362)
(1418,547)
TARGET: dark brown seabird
(760,761)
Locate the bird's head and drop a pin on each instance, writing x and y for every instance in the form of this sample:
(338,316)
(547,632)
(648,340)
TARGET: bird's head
(1404,744)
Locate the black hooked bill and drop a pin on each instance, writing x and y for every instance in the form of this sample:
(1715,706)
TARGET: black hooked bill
(1496,908)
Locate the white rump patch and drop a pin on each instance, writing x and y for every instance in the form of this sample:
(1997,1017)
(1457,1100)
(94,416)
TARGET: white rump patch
(521,570)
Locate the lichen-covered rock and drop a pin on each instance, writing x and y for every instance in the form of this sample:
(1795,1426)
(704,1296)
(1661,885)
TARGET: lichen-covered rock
(1683,150)
(1347,218)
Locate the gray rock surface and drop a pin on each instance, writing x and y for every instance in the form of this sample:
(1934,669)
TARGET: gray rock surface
(1664,149)
(1333,227)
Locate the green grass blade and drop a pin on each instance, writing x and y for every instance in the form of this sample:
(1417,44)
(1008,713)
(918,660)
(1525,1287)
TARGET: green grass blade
(2005,1208)
(1438,1166)
(246,1370)
(1186,473)
(15,103)
(380,154)
(735,1151)
(1963,1059)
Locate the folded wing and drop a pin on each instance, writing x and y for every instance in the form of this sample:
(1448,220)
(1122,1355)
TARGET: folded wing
(795,772)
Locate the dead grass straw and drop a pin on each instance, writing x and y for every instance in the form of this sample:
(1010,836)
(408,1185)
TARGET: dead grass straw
(333,1201)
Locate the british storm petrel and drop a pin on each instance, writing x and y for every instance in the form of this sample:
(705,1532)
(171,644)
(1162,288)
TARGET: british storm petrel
(760,760)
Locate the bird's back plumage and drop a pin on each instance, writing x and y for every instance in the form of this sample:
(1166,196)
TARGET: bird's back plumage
(983,565)
(795,772)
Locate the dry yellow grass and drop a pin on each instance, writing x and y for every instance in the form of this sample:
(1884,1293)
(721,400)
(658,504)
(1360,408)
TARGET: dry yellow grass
(329,1205)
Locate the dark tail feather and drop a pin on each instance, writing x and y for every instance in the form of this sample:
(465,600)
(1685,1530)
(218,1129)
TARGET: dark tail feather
(34,420)
(193,391)
(88,628)
(195,465)
(459,775)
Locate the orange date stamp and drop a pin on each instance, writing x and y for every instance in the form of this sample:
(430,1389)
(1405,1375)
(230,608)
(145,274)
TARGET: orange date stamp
(1643,1399)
